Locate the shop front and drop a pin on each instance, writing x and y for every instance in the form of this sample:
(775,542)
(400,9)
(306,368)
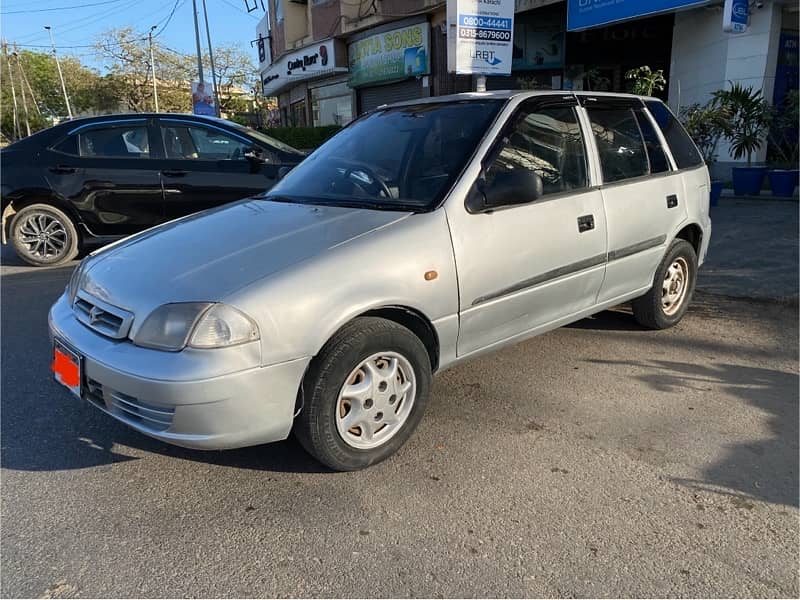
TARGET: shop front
(390,64)
(309,85)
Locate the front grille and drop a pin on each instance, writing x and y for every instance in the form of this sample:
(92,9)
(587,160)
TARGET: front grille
(104,318)
(128,408)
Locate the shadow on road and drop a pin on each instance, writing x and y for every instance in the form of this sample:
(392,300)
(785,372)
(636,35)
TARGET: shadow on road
(765,469)
(44,428)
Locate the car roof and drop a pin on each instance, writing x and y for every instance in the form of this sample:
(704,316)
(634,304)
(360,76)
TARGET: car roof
(144,115)
(508,94)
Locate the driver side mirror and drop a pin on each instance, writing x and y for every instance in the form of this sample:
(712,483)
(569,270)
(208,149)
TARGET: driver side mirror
(508,188)
(256,155)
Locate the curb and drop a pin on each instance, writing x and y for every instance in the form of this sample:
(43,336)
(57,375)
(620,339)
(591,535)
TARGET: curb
(789,301)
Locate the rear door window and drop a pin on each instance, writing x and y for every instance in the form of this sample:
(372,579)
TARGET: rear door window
(683,149)
(115,142)
(620,146)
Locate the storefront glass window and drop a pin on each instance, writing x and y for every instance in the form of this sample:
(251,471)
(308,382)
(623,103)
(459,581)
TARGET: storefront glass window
(332,104)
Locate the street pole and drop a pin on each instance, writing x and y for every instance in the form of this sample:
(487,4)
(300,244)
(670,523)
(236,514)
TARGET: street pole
(17,131)
(60,74)
(22,93)
(28,84)
(211,58)
(197,39)
(153,67)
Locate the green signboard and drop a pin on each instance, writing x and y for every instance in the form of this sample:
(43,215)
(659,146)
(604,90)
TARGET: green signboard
(390,56)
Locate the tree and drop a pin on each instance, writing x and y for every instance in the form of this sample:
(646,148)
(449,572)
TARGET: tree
(35,74)
(126,56)
(236,72)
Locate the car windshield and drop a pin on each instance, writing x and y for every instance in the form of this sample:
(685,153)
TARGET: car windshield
(398,158)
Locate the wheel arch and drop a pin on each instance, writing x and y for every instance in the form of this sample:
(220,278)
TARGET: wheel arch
(692,233)
(13,205)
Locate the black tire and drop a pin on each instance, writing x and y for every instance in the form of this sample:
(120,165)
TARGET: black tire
(67,238)
(363,337)
(649,310)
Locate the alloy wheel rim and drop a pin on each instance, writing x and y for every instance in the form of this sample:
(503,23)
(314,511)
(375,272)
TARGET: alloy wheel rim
(43,236)
(375,400)
(676,283)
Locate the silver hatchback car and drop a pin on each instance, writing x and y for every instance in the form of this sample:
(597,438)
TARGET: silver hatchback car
(420,236)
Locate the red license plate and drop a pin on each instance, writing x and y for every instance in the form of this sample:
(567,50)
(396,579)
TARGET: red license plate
(66,367)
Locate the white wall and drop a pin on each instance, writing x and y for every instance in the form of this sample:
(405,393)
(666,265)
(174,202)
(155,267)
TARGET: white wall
(705,59)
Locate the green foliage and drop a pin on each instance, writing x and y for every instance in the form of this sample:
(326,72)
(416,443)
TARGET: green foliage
(706,124)
(783,126)
(749,119)
(303,138)
(645,80)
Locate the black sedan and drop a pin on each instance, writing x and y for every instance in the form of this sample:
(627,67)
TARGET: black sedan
(91,181)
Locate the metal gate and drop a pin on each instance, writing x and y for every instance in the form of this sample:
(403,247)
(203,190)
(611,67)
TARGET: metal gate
(373,97)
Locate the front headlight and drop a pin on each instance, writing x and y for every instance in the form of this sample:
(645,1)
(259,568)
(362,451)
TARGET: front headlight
(172,327)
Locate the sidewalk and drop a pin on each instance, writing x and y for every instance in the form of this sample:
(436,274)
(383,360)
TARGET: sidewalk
(754,250)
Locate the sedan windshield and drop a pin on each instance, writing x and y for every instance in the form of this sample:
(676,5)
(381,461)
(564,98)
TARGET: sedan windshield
(400,158)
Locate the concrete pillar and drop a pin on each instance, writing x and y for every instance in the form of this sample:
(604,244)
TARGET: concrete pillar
(705,59)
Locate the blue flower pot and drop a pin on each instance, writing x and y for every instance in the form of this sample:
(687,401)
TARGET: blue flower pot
(747,180)
(783,181)
(716,192)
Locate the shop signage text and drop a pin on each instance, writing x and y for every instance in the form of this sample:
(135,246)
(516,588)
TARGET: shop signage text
(582,14)
(302,64)
(480,38)
(735,16)
(389,56)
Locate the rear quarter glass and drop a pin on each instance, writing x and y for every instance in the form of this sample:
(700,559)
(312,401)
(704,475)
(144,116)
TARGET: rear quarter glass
(684,151)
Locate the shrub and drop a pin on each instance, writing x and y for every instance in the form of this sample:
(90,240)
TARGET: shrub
(303,138)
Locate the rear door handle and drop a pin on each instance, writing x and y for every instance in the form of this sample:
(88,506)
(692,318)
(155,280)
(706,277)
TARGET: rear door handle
(585,223)
(672,201)
(174,173)
(62,170)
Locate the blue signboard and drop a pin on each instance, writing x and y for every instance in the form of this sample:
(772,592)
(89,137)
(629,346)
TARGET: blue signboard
(583,14)
(735,16)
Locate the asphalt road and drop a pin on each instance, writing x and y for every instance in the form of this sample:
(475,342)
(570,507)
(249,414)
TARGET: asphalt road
(597,460)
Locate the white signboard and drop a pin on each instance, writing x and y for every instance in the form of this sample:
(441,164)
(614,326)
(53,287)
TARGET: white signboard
(480,36)
(311,61)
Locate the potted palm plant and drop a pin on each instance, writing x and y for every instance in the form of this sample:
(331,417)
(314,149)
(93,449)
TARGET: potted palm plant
(706,124)
(783,146)
(749,121)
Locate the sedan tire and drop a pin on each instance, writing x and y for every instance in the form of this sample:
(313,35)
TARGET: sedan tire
(673,285)
(43,236)
(364,394)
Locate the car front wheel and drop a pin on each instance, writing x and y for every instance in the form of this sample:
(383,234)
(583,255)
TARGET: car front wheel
(44,236)
(364,394)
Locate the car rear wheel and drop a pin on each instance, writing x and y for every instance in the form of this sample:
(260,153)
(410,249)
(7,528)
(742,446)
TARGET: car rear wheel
(364,394)
(673,285)
(43,235)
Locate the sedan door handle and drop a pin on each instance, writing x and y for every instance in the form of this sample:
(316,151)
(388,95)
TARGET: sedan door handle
(672,201)
(62,170)
(585,223)
(174,173)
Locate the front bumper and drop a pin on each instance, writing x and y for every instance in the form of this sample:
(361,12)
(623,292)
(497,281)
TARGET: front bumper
(165,394)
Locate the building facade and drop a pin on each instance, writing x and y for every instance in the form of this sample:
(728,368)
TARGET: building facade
(328,61)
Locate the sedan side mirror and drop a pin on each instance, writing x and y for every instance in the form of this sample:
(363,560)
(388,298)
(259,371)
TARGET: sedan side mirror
(256,155)
(508,188)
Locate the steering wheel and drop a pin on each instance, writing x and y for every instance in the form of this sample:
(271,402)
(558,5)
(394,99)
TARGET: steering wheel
(377,181)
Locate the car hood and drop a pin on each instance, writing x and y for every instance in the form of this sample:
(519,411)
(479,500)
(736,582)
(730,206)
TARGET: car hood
(207,256)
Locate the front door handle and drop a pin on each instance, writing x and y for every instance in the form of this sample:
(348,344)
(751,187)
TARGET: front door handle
(672,201)
(62,170)
(585,223)
(174,173)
